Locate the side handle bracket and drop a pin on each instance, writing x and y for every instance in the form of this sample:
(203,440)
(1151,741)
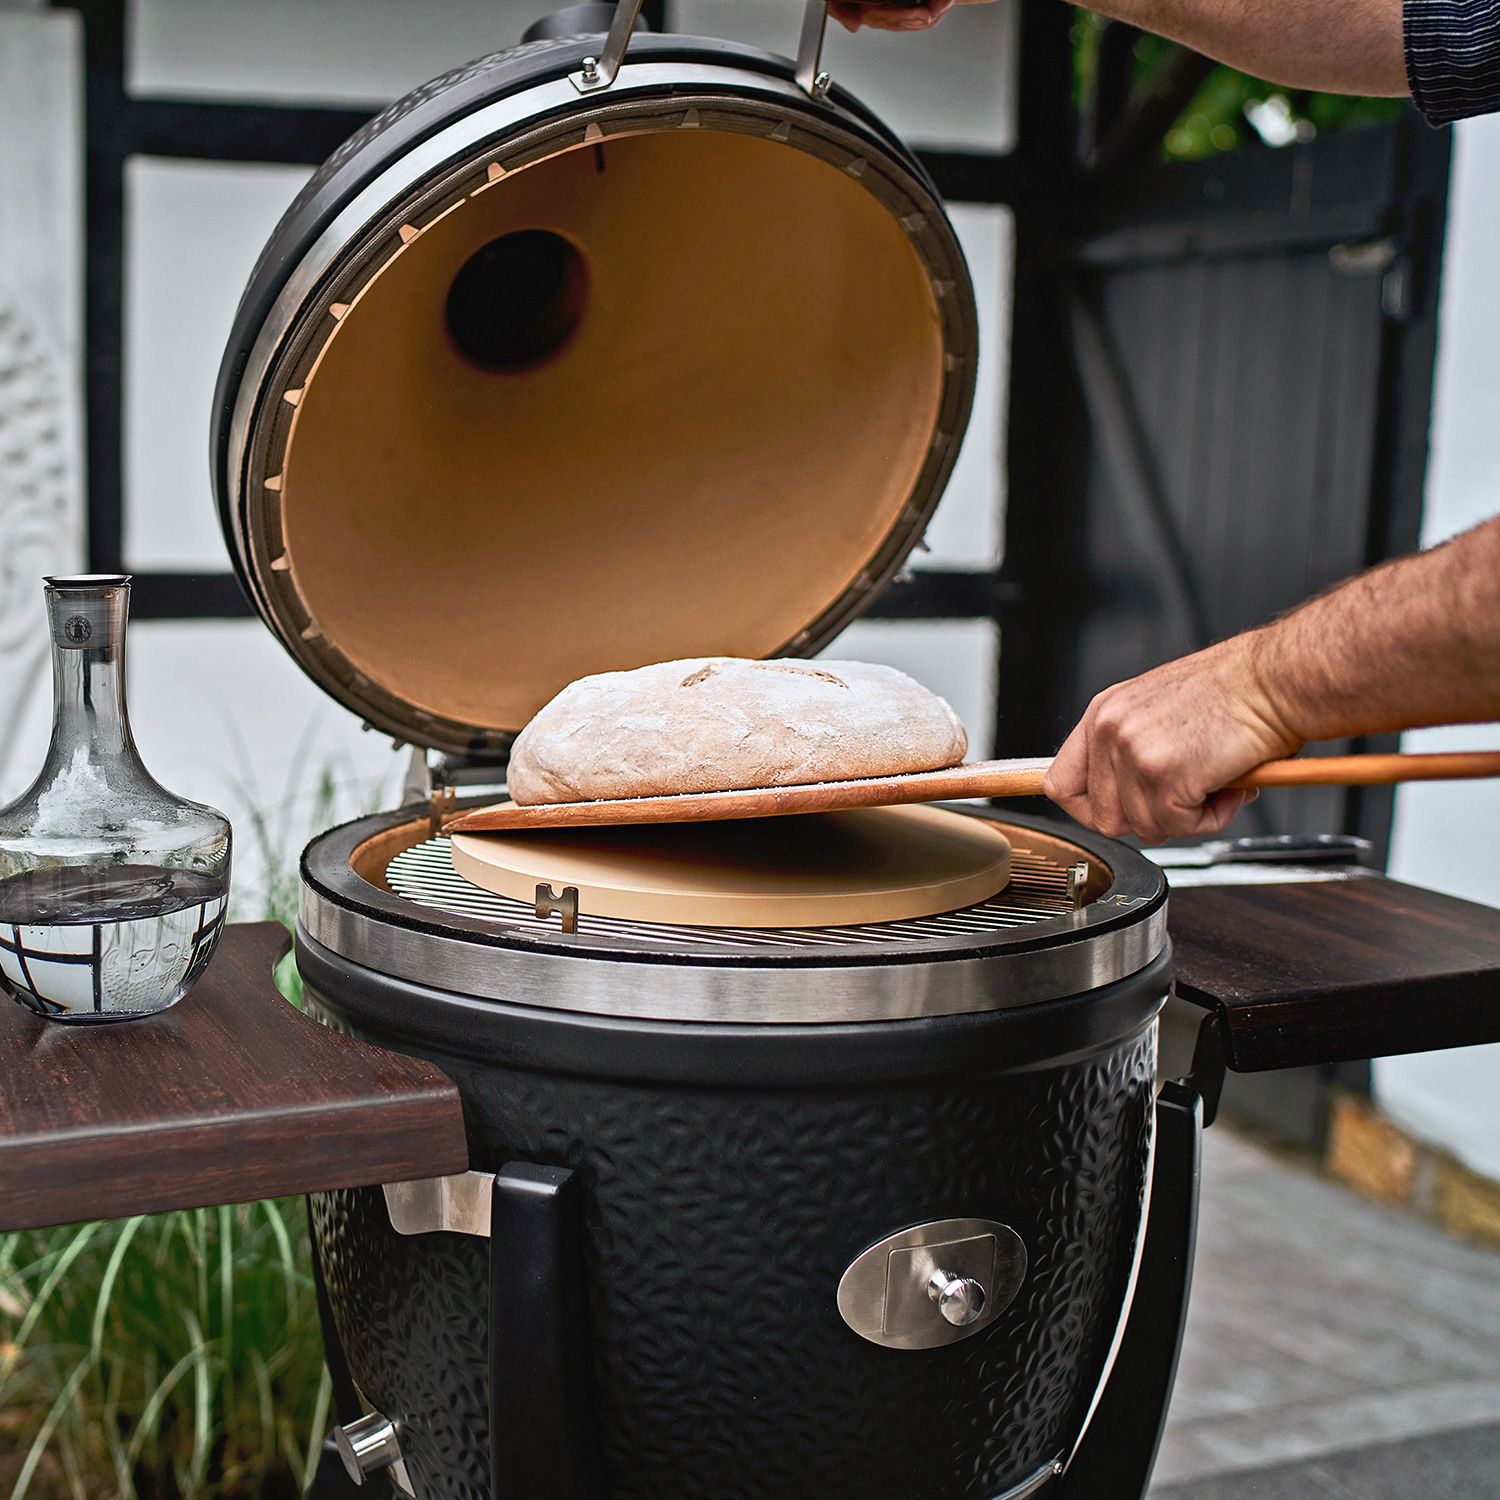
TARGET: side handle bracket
(1210,1061)
(809,74)
(543,1432)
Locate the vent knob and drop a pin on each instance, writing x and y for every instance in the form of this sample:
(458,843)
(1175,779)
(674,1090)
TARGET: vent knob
(960,1299)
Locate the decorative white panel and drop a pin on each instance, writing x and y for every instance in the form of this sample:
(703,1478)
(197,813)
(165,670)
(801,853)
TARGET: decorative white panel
(40,317)
(967,528)
(350,51)
(194,231)
(954,86)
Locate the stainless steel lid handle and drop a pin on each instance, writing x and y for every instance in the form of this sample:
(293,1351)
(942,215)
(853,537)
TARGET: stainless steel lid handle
(960,1299)
(811,79)
(599,72)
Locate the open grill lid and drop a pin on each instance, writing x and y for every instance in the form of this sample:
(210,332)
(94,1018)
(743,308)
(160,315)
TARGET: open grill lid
(533,382)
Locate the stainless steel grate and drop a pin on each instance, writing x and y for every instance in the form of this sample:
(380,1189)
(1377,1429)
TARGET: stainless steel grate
(1038,890)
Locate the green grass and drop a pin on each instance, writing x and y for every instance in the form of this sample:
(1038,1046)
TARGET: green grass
(176,1356)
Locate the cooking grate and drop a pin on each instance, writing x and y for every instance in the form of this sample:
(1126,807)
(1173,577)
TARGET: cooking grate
(1038,891)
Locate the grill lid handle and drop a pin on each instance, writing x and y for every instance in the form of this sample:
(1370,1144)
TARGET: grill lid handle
(809,75)
(599,72)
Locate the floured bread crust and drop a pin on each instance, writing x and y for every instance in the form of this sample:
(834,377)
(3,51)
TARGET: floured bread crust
(724,723)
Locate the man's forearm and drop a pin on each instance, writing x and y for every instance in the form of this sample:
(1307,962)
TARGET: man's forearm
(1414,642)
(1334,46)
(1351,47)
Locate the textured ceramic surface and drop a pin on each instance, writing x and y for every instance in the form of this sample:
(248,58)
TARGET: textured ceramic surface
(719,1223)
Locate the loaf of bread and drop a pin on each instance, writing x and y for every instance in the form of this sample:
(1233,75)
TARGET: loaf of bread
(722,723)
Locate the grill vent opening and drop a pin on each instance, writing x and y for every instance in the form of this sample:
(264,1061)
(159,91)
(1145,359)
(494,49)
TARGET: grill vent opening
(518,300)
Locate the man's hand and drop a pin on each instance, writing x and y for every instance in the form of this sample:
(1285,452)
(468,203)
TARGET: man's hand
(893,15)
(1151,756)
(852,14)
(1409,643)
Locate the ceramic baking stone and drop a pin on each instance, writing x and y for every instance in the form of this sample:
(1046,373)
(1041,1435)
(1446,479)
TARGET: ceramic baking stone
(878,864)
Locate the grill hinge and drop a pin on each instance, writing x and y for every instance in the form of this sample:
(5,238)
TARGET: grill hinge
(460,1204)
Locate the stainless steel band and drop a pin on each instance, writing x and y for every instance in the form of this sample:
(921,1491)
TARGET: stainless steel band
(1099,944)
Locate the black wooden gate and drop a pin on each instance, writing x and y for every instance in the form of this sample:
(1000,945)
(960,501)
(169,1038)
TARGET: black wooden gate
(1222,379)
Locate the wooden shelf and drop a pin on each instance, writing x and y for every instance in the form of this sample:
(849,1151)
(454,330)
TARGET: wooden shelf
(1333,971)
(234,1095)
(231,1096)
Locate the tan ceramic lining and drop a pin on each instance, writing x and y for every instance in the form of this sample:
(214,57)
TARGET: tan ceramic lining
(729,436)
(857,420)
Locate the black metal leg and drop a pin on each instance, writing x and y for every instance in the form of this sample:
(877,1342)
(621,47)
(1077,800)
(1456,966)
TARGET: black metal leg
(542,1434)
(1118,1451)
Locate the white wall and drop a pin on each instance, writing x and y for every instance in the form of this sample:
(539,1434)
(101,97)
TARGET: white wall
(1448,836)
(41,268)
(193,232)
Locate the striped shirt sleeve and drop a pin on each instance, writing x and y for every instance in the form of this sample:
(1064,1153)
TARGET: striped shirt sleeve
(1453,57)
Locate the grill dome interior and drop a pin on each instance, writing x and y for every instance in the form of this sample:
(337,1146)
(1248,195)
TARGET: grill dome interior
(712,435)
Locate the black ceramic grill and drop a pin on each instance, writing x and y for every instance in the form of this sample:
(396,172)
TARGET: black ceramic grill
(569,363)
(750,1118)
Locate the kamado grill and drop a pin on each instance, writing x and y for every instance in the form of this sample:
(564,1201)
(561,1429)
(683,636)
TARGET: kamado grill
(761,1124)
(564,364)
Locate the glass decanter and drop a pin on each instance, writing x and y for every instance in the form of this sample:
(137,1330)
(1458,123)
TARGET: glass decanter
(112,890)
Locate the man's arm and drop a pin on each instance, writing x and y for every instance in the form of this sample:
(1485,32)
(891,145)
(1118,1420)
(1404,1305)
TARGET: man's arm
(1409,643)
(1334,46)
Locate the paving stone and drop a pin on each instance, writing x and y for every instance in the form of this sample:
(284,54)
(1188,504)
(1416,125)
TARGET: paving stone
(1322,1324)
(1461,1465)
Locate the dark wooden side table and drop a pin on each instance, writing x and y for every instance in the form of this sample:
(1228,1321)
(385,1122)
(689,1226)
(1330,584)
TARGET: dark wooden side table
(234,1095)
(1314,972)
(231,1096)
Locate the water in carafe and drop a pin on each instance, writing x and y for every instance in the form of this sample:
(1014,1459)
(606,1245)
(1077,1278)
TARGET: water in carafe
(106,941)
(112,889)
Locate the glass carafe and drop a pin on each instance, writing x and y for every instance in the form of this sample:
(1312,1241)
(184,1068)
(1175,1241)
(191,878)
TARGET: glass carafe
(112,890)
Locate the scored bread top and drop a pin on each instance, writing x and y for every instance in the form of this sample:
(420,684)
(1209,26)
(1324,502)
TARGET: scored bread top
(723,723)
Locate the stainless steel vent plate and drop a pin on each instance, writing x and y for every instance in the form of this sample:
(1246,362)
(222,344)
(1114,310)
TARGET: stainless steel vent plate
(933,1284)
